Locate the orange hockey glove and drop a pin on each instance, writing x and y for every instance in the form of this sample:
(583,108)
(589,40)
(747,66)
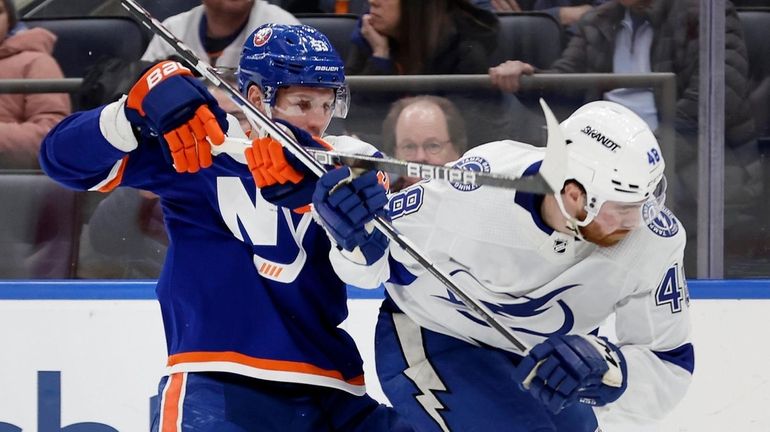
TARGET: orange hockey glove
(169,102)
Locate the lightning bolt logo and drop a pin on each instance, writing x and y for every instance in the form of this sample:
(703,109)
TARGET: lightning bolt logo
(419,369)
(521,307)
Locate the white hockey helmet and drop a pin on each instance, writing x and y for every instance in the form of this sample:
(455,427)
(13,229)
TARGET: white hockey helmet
(615,156)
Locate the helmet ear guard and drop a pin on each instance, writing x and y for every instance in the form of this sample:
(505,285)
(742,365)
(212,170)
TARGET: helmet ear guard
(278,55)
(616,158)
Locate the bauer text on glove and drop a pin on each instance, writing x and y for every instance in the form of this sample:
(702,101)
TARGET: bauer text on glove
(170,103)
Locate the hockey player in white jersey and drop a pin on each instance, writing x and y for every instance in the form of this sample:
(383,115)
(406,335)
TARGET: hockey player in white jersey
(552,268)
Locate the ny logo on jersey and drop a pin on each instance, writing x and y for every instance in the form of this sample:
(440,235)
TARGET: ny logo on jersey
(258,217)
(260,220)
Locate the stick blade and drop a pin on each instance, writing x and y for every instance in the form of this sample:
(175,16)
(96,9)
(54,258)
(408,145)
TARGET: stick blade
(554,166)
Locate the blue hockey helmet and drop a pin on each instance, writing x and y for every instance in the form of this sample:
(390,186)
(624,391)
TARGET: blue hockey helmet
(279,55)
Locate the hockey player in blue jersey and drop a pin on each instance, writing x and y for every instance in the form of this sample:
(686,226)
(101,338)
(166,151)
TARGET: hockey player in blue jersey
(552,268)
(250,303)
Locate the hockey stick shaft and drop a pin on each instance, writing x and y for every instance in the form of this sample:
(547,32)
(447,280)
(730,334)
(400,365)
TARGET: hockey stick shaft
(297,150)
(532,184)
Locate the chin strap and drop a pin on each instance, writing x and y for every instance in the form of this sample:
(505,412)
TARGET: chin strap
(260,130)
(573,225)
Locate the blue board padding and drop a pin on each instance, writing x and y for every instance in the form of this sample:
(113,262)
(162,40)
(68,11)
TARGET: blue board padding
(145,290)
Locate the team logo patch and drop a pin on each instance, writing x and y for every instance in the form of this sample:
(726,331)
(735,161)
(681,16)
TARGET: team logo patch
(665,224)
(263,36)
(473,163)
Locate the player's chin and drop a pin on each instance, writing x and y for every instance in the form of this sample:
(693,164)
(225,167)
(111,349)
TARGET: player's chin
(605,240)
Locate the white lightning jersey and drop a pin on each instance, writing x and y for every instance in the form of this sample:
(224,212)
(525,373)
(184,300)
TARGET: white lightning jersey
(537,281)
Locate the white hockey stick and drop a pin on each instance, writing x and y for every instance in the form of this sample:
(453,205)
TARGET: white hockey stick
(532,184)
(308,160)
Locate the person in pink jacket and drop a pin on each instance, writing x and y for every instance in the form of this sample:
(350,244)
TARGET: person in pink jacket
(25,118)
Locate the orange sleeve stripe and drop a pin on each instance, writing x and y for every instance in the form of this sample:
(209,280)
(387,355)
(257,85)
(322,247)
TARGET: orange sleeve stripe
(115,182)
(171,403)
(266,364)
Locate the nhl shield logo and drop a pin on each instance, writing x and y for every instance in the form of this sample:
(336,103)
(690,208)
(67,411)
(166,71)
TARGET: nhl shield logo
(559,246)
(473,163)
(262,36)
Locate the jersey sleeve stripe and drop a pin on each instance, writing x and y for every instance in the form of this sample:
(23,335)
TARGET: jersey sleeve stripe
(113,178)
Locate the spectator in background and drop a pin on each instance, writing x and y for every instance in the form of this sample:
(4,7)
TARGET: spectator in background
(357,7)
(425,37)
(217,29)
(323,6)
(643,36)
(425,129)
(566,12)
(503,5)
(25,118)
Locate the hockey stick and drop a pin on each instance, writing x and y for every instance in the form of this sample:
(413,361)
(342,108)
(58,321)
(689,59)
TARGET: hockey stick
(532,184)
(298,151)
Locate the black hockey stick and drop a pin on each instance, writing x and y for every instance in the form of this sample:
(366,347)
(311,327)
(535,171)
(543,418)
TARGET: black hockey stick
(208,72)
(532,184)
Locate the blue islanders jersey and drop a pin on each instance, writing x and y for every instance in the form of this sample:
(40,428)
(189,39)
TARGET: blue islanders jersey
(540,282)
(247,287)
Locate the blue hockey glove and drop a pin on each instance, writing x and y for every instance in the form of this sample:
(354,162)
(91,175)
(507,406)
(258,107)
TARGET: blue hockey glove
(170,103)
(282,178)
(346,207)
(572,368)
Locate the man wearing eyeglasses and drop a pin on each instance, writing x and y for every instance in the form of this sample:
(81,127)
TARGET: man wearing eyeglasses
(425,129)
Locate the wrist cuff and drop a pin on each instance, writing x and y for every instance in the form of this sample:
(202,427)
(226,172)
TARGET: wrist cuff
(116,128)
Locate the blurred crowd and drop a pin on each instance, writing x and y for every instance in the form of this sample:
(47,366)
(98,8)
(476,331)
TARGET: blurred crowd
(121,234)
